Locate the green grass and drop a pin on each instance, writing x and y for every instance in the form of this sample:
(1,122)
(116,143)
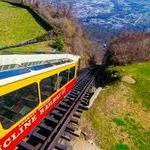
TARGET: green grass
(42,46)
(102,127)
(101,123)
(120,115)
(136,132)
(17,25)
(139,135)
(120,147)
(141,73)
(119,121)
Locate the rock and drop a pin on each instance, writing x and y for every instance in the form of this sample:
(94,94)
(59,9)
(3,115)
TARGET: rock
(128,79)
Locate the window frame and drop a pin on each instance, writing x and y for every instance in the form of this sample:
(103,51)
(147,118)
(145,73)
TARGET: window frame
(59,85)
(74,67)
(40,87)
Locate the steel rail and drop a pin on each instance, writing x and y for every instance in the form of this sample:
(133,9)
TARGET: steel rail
(67,118)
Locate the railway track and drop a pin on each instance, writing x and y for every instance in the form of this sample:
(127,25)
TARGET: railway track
(58,128)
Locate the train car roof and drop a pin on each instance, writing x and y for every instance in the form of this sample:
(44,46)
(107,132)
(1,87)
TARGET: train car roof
(16,67)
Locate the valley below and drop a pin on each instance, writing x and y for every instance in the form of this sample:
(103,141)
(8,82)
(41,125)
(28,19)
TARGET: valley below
(105,18)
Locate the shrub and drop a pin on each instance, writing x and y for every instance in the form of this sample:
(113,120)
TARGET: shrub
(58,44)
(61,19)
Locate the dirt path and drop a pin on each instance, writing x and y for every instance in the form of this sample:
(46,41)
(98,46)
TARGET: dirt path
(81,144)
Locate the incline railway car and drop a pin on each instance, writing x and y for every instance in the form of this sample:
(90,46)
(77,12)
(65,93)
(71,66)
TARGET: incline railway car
(30,87)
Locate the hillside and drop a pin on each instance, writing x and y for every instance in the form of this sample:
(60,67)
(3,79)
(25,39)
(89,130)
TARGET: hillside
(120,117)
(18,25)
(24,25)
(128,48)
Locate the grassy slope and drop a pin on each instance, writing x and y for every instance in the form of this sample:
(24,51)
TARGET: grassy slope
(121,114)
(17,25)
(141,73)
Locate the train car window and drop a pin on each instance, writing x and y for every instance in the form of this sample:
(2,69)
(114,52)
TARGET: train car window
(15,105)
(63,78)
(71,73)
(48,86)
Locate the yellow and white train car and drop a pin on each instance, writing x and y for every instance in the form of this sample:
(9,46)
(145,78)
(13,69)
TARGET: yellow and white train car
(30,87)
